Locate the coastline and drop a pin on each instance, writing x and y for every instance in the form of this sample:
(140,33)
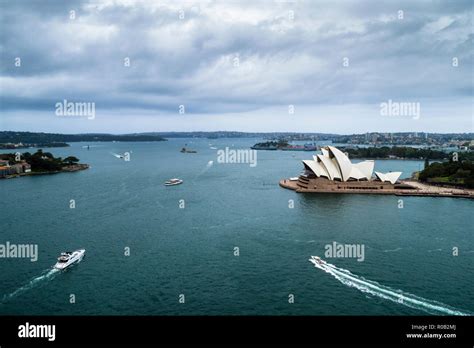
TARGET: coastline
(66,169)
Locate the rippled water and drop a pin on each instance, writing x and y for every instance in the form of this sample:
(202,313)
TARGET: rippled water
(190,251)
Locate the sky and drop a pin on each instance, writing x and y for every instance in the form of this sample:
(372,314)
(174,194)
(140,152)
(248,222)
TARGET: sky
(256,66)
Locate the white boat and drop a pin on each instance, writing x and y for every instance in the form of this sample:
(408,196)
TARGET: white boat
(117,155)
(173,182)
(68,258)
(317,260)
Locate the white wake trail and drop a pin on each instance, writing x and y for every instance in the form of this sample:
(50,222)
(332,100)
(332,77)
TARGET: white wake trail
(387,293)
(45,275)
(206,168)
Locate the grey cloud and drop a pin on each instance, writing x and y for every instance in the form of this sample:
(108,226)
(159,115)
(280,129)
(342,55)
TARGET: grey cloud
(190,61)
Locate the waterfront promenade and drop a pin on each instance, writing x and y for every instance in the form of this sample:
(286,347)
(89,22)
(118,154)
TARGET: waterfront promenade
(417,189)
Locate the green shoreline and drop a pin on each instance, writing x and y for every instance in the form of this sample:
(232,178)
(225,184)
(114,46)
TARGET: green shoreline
(67,169)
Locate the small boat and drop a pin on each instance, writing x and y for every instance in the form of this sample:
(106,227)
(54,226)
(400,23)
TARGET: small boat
(185,150)
(68,258)
(317,260)
(173,182)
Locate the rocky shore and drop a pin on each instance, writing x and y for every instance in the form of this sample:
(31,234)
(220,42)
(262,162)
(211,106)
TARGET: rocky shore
(65,169)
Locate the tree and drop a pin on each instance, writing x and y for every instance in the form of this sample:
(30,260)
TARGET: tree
(427,163)
(71,160)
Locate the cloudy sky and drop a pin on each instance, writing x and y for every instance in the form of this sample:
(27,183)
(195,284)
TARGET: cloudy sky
(236,65)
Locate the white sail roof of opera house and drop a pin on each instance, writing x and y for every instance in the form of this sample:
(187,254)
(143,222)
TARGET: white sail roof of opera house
(316,168)
(365,167)
(392,177)
(356,174)
(345,165)
(330,167)
(335,165)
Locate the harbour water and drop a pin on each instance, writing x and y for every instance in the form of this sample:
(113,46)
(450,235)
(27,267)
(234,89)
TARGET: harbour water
(183,239)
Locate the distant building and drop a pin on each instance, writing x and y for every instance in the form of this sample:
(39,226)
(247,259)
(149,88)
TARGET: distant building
(333,171)
(26,167)
(4,171)
(334,165)
(17,168)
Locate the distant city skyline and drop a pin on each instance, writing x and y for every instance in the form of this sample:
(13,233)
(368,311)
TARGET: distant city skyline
(282,66)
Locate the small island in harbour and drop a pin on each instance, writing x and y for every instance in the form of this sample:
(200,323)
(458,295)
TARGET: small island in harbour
(284,146)
(16,165)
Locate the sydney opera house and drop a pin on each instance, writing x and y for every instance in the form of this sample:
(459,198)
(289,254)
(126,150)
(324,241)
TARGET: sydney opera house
(333,171)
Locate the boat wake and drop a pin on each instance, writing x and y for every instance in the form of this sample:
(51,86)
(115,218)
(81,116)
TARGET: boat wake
(398,296)
(206,168)
(391,250)
(46,275)
(430,251)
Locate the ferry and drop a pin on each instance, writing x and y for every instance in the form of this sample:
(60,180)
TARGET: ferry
(305,147)
(173,182)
